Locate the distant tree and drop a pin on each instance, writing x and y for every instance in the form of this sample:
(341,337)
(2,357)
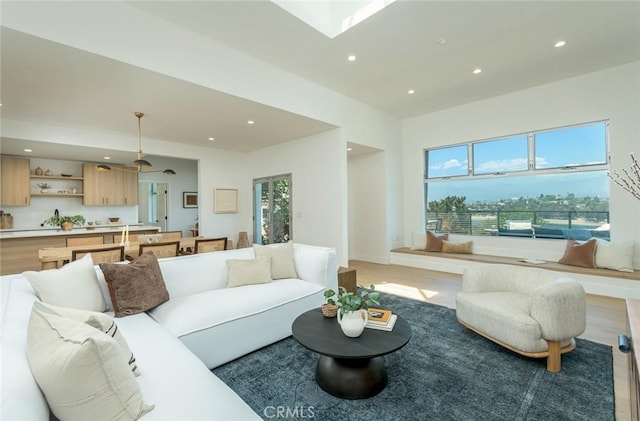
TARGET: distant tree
(449,204)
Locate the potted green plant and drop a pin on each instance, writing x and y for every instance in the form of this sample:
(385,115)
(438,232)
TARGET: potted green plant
(329,309)
(65,222)
(352,309)
(44,187)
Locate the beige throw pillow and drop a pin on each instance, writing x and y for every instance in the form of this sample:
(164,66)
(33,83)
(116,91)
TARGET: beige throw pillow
(580,254)
(434,241)
(74,285)
(135,287)
(282,265)
(100,321)
(82,372)
(248,271)
(458,248)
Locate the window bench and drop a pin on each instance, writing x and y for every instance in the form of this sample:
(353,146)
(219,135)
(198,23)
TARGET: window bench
(606,282)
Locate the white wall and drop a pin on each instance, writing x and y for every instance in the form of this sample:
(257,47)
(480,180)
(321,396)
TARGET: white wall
(368,207)
(318,165)
(612,94)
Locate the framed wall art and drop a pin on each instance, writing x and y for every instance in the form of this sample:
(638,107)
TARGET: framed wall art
(189,199)
(225,201)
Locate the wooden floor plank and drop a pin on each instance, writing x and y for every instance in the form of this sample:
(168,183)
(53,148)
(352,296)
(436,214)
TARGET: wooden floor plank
(606,316)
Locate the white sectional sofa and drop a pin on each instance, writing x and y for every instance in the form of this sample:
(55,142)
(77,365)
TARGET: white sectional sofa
(203,325)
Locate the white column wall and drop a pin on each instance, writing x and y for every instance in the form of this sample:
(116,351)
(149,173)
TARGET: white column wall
(612,94)
(367,206)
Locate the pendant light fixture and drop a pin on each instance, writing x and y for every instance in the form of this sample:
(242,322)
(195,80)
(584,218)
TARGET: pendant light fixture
(140,163)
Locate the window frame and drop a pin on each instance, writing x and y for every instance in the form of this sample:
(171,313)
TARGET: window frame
(530,157)
(531,171)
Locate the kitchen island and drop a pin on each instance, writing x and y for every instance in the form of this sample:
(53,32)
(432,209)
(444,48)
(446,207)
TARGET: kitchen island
(19,248)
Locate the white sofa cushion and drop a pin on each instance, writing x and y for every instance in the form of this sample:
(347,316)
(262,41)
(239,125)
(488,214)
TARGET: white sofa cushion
(186,275)
(74,285)
(61,351)
(281,255)
(175,380)
(184,315)
(21,396)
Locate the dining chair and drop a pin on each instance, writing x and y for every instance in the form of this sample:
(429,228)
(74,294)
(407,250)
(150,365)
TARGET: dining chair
(133,238)
(171,235)
(207,245)
(163,249)
(84,241)
(104,255)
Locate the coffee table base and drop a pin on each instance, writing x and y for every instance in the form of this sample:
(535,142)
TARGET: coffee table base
(351,379)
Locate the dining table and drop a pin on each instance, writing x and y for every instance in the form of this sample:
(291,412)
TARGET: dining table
(54,257)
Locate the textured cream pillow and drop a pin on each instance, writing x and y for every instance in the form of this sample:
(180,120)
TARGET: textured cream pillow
(137,286)
(74,285)
(100,321)
(82,372)
(248,271)
(282,265)
(616,256)
(459,248)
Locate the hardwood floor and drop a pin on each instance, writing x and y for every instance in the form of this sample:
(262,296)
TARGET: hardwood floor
(606,317)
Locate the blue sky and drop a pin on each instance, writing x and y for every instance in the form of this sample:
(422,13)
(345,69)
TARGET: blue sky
(553,149)
(593,183)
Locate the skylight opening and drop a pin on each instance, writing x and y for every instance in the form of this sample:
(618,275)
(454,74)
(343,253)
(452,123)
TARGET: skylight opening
(332,17)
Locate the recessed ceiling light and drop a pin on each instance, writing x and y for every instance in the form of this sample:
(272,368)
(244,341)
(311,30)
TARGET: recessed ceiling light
(28,150)
(441,41)
(349,149)
(106,157)
(560,44)
(477,71)
(251,122)
(212,138)
(411,91)
(351,57)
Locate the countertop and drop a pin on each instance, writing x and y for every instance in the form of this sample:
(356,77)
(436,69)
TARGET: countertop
(6,234)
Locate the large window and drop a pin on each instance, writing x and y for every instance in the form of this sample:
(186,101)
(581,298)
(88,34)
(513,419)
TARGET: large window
(546,184)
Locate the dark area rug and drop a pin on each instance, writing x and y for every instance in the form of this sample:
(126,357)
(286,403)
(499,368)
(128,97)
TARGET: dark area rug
(445,373)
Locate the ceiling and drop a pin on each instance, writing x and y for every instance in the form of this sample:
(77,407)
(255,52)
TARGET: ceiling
(397,49)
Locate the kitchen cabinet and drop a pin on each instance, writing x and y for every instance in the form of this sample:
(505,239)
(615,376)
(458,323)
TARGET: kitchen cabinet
(15,181)
(110,188)
(130,186)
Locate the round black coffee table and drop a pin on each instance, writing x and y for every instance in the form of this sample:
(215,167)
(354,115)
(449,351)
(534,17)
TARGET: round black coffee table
(349,368)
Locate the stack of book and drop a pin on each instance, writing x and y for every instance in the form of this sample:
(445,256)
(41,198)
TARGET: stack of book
(381,319)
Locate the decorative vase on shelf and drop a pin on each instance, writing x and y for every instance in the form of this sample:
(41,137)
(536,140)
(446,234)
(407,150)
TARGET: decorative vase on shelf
(352,323)
(48,172)
(38,171)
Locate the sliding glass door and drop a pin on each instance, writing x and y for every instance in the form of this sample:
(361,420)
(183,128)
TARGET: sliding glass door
(272,209)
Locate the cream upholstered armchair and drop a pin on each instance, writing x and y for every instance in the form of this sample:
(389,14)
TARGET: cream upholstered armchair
(531,311)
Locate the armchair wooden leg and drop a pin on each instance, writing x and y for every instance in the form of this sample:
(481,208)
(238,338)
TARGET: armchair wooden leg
(554,360)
